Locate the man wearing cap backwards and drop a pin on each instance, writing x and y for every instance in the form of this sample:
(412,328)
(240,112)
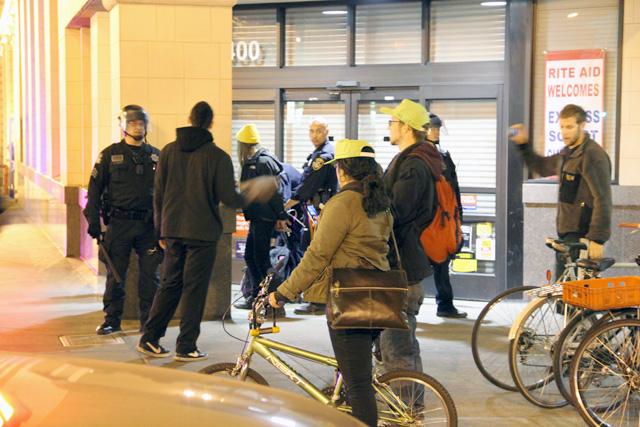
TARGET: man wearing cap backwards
(121,191)
(256,161)
(410,178)
(444,292)
(318,184)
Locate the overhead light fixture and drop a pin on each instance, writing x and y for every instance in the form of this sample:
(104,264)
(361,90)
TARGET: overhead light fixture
(334,12)
(572,15)
(493,3)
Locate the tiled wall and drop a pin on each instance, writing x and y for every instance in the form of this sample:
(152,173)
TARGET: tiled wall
(168,58)
(630,117)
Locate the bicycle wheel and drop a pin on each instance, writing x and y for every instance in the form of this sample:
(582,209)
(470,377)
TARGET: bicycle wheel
(225,369)
(531,350)
(605,375)
(409,398)
(490,336)
(570,340)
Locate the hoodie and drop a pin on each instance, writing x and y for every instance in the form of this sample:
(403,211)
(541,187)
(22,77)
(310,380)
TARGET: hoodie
(193,176)
(411,178)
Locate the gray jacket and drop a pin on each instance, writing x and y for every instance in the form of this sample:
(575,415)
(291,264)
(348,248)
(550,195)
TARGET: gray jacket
(584,200)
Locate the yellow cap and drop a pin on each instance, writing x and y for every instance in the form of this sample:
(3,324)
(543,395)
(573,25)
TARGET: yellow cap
(349,148)
(248,134)
(409,112)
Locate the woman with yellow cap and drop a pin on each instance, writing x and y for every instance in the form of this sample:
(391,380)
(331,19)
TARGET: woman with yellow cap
(353,231)
(257,161)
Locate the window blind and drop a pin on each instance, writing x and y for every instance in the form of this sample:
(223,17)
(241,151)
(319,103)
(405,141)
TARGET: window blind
(254,38)
(464,30)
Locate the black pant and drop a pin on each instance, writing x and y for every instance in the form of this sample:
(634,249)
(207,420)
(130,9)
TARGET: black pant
(122,236)
(256,252)
(444,292)
(187,270)
(352,348)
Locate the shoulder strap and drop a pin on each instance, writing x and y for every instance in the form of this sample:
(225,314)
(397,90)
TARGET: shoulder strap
(395,244)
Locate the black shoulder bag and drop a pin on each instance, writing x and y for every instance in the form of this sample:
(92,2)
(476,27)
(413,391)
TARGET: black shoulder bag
(360,298)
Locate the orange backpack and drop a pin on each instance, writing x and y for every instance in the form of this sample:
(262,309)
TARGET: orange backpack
(443,237)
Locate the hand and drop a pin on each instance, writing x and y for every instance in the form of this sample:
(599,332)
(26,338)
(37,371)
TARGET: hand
(283,225)
(162,243)
(94,229)
(272,300)
(260,189)
(595,250)
(520,135)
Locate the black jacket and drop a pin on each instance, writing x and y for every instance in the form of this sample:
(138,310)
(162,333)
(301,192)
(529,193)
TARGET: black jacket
(584,201)
(115,176)
(263,163)
(194,175)
(317,178)
(410,178)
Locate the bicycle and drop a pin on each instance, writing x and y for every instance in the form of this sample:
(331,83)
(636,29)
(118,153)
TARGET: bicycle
(490,335)
(405,398)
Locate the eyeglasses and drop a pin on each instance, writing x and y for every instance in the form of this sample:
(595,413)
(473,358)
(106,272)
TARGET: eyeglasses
(394,121)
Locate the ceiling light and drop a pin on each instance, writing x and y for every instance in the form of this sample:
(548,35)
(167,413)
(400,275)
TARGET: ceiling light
(334,12)
(493,3)
(572,15)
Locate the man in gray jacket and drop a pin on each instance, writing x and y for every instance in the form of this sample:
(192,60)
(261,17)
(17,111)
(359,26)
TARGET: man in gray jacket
(584,168)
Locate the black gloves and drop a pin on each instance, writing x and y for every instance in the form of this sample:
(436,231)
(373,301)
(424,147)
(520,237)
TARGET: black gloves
(94,229)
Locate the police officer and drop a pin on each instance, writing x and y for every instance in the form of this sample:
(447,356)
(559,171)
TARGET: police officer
(121,191)
(318,183)
(444,291)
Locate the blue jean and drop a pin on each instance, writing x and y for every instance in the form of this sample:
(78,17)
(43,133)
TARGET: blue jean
(352,348)
(400,349)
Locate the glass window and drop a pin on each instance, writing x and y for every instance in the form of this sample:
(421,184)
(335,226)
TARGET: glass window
(297,145)
(254,38)
(464,30)
(260,114)
(563,25)
(389,33)
(316,36)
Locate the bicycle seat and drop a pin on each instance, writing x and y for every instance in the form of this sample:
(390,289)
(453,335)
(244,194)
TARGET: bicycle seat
(564,247)
(598,264)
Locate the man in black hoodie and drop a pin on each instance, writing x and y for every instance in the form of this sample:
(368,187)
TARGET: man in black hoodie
(410,178)
(194,175)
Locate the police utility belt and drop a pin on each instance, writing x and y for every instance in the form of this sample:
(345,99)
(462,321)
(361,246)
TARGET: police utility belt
(127,214)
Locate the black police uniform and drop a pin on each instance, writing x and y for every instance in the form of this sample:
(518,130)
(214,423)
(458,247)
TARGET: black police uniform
(123,178)
(318,184)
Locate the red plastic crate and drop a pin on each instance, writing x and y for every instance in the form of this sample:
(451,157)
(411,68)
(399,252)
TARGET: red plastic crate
(603,294)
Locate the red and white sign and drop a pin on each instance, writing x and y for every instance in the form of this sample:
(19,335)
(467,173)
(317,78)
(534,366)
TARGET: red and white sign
(242,226)
(469,202)
(573,77)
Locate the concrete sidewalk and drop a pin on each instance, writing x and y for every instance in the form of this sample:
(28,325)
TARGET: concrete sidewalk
(52,304)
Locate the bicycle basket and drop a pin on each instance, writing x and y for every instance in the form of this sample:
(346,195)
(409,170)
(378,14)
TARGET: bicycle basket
(603,294)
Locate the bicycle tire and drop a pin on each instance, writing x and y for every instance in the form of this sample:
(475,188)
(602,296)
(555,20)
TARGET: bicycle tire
(426,401)
(570,340)
(490,336)
(225,369)
(531,351)
(605,375)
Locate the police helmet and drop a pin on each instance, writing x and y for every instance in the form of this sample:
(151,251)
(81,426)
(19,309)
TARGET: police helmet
(130,114)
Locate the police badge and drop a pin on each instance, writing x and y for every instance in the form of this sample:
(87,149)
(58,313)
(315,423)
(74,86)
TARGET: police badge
(317,164)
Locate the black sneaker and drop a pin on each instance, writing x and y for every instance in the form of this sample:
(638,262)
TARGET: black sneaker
(191,357)
(153,350)
(452,314)
(107,328)
(247,304)
(311,308)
